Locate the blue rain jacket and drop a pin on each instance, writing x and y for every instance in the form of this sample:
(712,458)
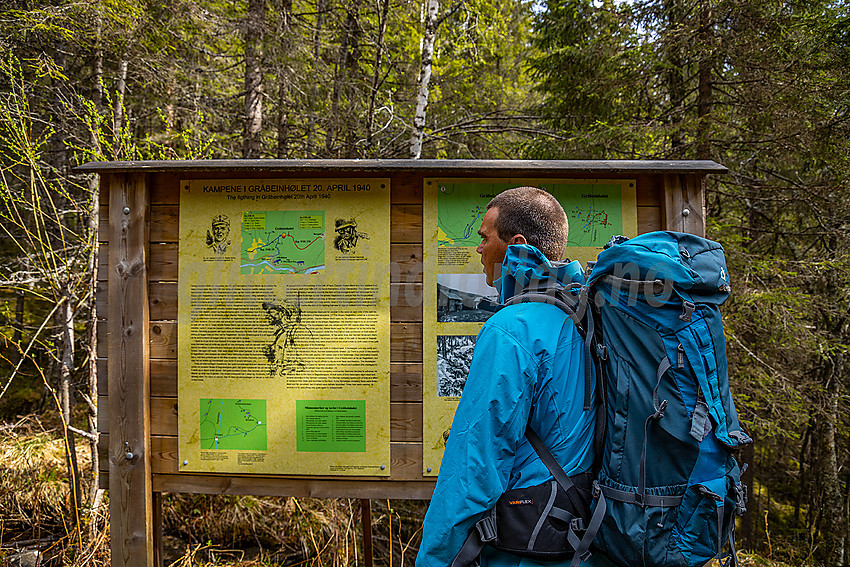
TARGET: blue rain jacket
(527,367)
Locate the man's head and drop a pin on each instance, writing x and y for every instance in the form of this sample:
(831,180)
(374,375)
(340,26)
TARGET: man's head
(220,227)
(524,215)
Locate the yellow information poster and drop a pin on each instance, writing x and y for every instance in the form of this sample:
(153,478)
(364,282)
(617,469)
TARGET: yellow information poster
(283,326)
(456,298)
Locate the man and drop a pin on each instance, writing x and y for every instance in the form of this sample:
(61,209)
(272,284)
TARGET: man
(527,368)
(217,239)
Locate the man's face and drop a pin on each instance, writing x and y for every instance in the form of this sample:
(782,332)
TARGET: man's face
(492,248)
(220,231)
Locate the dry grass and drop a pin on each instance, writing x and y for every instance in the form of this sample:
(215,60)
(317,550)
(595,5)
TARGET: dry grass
(289,531)
(36,515)
(35,499)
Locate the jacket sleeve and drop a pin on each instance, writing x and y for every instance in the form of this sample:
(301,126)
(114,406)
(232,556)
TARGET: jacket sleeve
(488,425)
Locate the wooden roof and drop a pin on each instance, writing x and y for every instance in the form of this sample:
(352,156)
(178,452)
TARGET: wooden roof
(443,167)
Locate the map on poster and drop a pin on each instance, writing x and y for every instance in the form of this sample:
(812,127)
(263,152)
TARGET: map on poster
(280,242)
(233,424)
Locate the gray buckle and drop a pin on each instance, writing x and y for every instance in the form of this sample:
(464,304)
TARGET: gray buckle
(688,309)
(597,489)
(486,529)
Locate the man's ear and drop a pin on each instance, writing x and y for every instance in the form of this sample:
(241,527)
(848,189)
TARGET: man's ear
(518,239)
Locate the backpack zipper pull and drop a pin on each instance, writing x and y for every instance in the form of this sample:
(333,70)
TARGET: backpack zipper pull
(680,356)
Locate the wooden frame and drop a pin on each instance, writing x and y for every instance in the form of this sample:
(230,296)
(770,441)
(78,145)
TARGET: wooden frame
(137,290)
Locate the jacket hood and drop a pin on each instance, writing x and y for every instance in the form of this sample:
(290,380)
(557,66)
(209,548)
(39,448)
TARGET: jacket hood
(526,268)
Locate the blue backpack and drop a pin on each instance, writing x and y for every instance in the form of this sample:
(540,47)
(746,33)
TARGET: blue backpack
(668,485)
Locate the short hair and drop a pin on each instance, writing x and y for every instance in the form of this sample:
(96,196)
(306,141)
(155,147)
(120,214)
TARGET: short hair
(536,215)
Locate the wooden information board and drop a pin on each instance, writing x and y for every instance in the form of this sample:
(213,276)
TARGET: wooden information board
(139,286)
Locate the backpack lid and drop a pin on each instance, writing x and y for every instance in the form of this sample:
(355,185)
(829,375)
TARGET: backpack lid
(695,265)
(526,267)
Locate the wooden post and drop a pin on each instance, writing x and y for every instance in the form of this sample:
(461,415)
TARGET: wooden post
(130,494)
(158,550)
(684,203)
(366,520)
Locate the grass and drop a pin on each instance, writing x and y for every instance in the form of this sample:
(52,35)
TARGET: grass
(36,512)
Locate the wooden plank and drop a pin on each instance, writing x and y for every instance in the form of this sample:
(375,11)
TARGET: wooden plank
(405,340)
(684,205)
(405,380)
(130,495)
(405,460)
(259,168)
(301,488)
(405,223)
(405,262)
(405,418)
(648,219)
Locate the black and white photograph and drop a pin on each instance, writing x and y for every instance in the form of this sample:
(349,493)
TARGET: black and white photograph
(465,298)
(454,356)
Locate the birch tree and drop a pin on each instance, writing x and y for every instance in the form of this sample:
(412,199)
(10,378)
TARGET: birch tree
(427,60)
(253,115)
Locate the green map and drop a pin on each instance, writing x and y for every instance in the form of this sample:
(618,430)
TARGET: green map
(460,208)
(233,424)
(283,242)
(594,211)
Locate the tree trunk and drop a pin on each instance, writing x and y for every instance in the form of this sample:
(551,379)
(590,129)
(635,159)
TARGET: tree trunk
(64,320)
(748,536)
(704,89)
(18,335)
(94,222)
(675,74)
(321,7)
(118,111)
(283,80)
(346,61)
(253,117)
(424,78)
(373,93)
(832,523)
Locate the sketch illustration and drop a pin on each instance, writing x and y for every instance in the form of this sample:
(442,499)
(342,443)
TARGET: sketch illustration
(347,236)
(454,357)
(218,237)
(282,353)
(465,298)
(442,440)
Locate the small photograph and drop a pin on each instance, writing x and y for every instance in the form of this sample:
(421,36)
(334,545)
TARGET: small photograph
(454,357)
(465,298)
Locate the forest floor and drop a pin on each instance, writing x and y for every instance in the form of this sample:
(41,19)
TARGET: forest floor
(36,518)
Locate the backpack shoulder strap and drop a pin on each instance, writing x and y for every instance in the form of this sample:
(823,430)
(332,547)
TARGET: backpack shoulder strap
(561,477)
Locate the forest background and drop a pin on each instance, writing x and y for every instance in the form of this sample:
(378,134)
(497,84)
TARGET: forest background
(761,86)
